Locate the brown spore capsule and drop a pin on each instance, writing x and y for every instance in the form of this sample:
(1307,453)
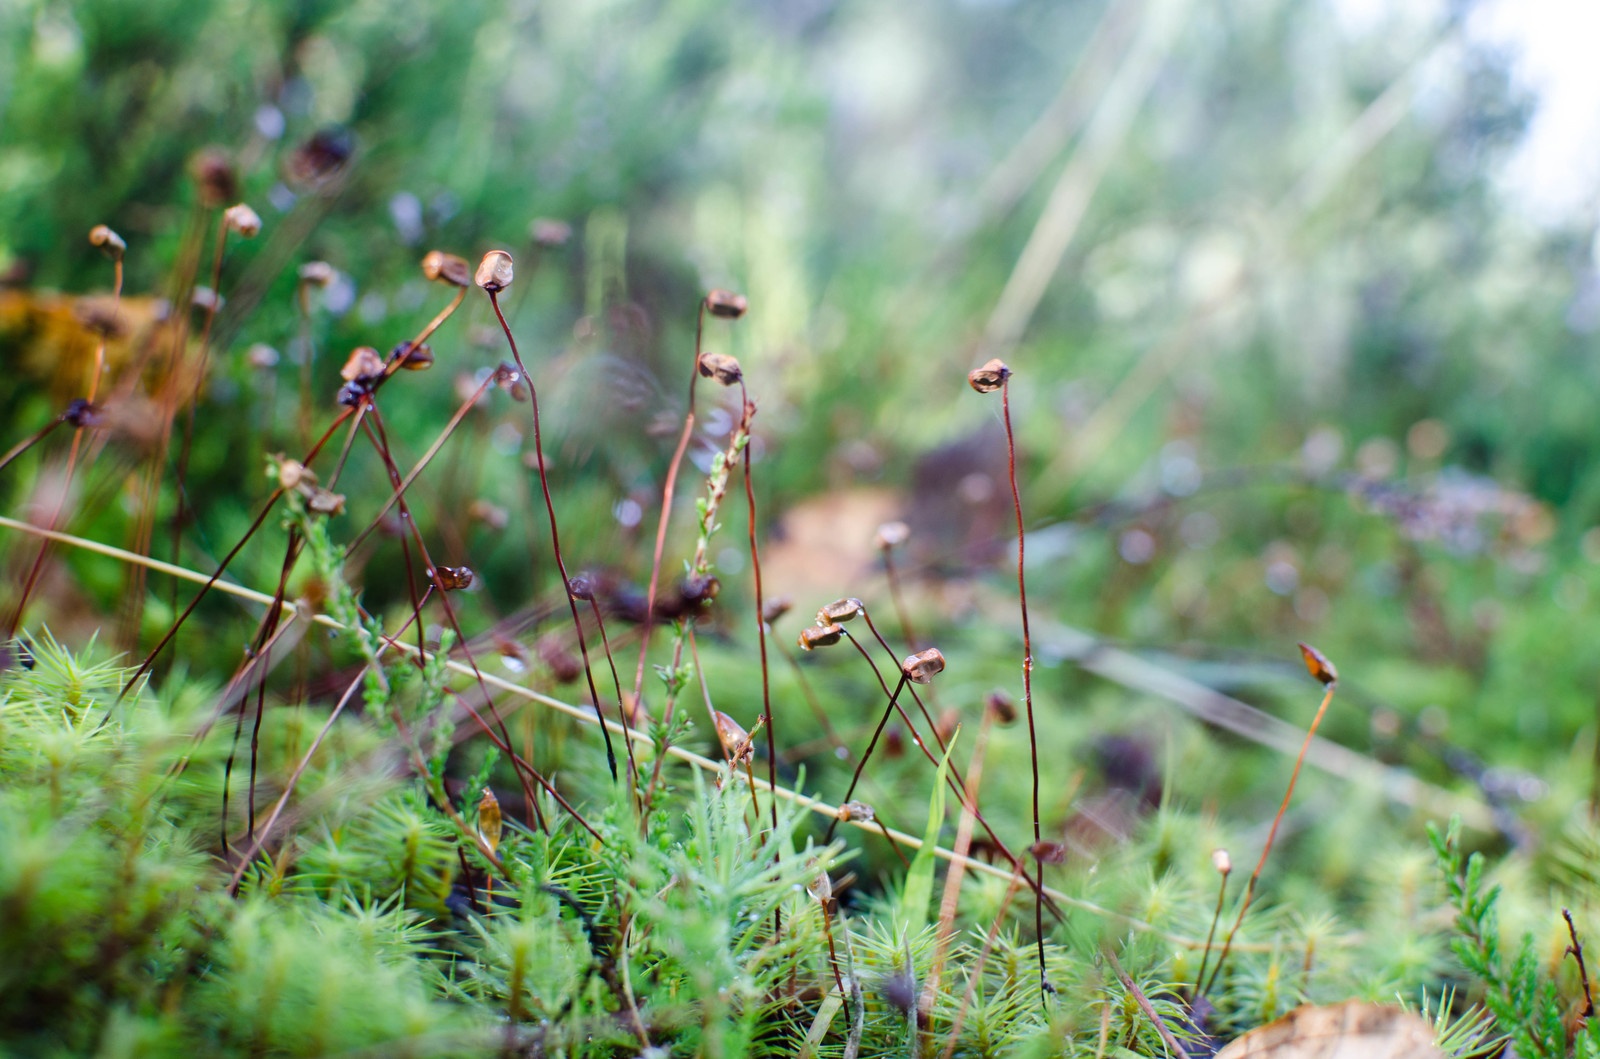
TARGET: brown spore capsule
(242,220)
(923,666)
(815,636)
(562,663)
(363,365)
(990,377)
(108,241)
(1317,665)
(1048,852)
(215,176)
(324,502)
(413,358)
(720,366)
(776,607)
(317,274)
(893,534)
(495,271)
(1002,706)
(726,304)
(857,811)
(441,267)
(840,611)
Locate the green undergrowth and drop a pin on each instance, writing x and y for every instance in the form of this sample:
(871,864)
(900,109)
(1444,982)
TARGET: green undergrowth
(377,928)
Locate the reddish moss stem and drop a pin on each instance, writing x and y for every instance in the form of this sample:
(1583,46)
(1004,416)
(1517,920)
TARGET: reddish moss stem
(1027,665)
(1255,876)
(666,507)
(856,778)
(555,540)
(761,624)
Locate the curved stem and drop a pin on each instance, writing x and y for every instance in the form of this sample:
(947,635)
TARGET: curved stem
(666,507)
(1250,887)
(555,536)
(937,738)
(856,778)
(761,624)
(1027,663)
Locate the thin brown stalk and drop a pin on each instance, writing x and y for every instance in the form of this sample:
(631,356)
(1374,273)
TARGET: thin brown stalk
(1027,663)
(150,495)
(245,676)
(380,441)
(1576,951)
(523,769)
(72,461)
(1017,878)
(952,880)
(856,776)
(182,510)
(1149,1010)
(421,464)
(144,667)
(761,624)
(1255,876)
(344,453)
(1205,956)
(894,595)
(666,507)
(699,566)
(926,717)
(555,536)
(951,779)
(222,567)
(806,692)
(711,711)
(29,442)
(262,647)
(433,325)
(261,687)
(258,840)
(616,681)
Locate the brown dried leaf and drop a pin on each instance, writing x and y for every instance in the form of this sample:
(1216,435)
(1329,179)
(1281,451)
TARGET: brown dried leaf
(1352,1030)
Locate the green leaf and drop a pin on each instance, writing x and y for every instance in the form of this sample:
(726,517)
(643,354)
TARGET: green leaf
(919,880)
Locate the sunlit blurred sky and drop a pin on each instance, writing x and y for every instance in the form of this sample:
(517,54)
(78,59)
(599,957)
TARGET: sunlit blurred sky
(1555,175)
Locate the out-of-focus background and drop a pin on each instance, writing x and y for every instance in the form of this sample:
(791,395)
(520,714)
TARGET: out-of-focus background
(1300,296)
